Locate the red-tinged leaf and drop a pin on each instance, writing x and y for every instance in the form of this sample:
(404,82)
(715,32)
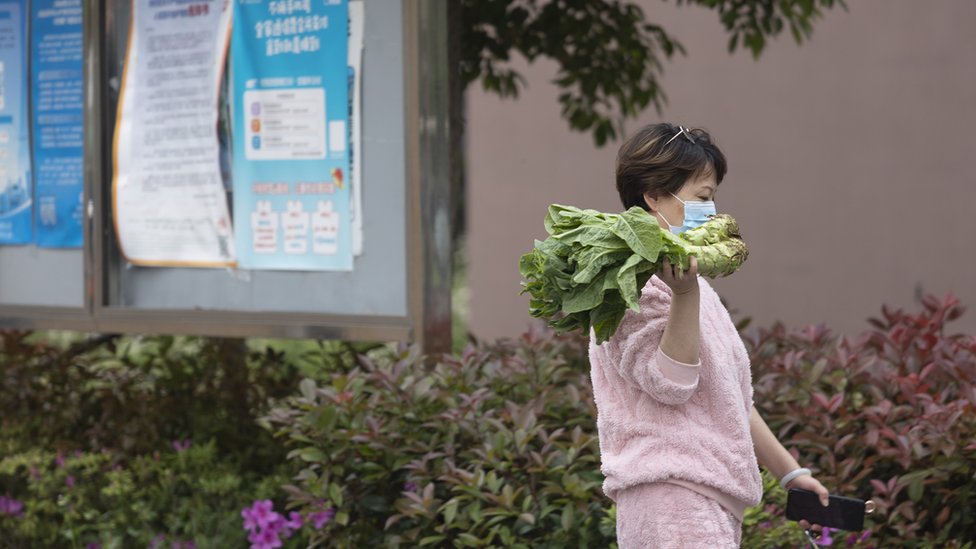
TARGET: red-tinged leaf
(907,510)
(839,445)
(413,497)
(820,399)
(879,487)
(871,438)
(392,520)
(835,402)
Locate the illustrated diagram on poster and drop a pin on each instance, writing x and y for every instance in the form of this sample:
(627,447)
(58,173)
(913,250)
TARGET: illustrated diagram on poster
(16,216)
(170,205)
(292,198)
(57,117)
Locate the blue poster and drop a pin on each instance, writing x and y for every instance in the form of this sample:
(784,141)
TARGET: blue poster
(291,134)
(57,93)
(15,175)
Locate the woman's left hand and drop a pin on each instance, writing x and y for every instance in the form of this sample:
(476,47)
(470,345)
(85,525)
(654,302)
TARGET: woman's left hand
(806,482)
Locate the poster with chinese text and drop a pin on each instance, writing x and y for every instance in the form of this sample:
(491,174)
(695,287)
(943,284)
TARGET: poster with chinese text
(170,205)
(290,75)
(16,219)
(57,116)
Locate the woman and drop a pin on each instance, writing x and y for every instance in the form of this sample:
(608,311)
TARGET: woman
(679,436)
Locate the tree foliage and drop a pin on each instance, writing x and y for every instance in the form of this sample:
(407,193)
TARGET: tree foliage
(610,57)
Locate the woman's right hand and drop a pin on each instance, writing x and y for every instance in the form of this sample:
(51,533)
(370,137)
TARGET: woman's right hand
(682,283)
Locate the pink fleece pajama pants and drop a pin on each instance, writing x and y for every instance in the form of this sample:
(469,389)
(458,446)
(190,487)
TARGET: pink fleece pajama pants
(666,516)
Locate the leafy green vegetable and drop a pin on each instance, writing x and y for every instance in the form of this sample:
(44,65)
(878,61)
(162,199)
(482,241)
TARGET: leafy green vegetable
(593,266)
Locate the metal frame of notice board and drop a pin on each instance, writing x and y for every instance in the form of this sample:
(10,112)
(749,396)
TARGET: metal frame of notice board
(399,288)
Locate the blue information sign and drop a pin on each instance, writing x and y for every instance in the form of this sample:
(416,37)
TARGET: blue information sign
(291,134)
(15,176)
(57,95)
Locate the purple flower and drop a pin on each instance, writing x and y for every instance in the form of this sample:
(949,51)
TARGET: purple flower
(825,538)
(11,506)
(157,541)
(15,508)
(264,539)
(59,461)
(259,515)
(295,521)
(261,511)
(865,535)
(182,446)
(322,518)
(765,525)
(70,481)
(93,545)
(410,487)
(250,521)
(851,539)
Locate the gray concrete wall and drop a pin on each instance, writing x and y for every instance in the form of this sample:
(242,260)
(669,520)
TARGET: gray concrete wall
(850,164)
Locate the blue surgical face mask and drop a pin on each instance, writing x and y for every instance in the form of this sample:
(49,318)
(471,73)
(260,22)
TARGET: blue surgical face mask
(697,212)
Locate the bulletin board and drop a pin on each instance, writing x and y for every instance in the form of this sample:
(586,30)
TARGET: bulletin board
(398,288)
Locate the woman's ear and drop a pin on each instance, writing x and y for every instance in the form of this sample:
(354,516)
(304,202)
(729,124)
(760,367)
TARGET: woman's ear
(651,202)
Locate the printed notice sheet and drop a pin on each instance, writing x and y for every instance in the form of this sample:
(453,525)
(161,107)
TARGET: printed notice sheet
(170,206)
(57,116)
(292,199)
(16,219)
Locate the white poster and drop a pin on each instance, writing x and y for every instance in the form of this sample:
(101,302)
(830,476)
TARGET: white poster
(355,118)
(169,203)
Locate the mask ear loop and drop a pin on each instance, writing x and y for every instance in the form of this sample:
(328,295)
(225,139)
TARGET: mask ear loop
(665,220)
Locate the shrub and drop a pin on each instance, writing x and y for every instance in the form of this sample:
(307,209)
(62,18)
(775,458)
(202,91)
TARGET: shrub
(495,447)
(135,441)
(183,497)
(889,415)
(136,395)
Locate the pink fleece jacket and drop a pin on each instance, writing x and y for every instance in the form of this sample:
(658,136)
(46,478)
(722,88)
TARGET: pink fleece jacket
(660,420)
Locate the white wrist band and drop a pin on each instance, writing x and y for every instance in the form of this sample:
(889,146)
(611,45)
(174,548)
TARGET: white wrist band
(793,474)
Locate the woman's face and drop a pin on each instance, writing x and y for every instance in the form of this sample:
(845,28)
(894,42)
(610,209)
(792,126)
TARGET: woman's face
(672,210)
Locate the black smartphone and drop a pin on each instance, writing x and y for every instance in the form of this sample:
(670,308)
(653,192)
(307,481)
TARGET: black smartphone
(842,513)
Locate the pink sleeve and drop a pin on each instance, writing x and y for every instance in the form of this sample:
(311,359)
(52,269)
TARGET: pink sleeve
(636,355)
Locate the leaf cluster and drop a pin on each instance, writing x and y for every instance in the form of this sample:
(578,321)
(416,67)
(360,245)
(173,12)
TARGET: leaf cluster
(593,266)
(135,395)
(888,415)
(752,23)
(610,58)
(164,499)
(495,447)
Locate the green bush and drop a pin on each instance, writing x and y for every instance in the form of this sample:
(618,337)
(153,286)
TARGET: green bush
(492,447)
(131,441)
(137,395)
(183,497)
(889,415)
(495,447)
